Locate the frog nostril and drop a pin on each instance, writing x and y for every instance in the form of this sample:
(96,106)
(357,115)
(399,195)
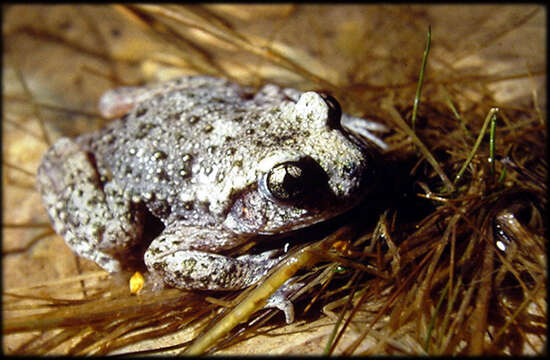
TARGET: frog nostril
(349,169)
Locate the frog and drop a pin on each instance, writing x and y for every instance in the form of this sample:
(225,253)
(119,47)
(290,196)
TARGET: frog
(218,164)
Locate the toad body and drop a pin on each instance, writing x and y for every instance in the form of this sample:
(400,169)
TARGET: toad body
(216,163)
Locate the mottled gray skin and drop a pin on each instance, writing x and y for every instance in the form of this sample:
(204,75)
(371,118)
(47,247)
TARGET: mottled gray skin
(204,156)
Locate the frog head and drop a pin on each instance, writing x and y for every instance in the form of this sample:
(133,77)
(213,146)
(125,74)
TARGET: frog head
(322,172)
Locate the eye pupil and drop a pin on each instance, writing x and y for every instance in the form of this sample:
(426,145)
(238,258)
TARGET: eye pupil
(286,181)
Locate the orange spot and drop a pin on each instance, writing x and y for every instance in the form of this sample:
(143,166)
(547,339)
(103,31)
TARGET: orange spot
(342,247)
(136,283)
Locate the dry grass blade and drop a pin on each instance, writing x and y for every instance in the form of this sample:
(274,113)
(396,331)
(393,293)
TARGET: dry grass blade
(187,17)
(90,312)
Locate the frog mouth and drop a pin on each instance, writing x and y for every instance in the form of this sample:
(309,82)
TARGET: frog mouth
(309,220)
(254,214)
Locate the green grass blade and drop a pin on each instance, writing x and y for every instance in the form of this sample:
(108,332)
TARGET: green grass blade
(491,117)
(421,76)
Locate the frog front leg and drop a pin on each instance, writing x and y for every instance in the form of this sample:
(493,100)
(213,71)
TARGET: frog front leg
(86,207)
(185,257)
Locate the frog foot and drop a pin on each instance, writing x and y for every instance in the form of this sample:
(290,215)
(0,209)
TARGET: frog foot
(280,299)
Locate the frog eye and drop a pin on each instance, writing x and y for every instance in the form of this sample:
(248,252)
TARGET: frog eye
(334,112)
(292,181)
(285,181)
